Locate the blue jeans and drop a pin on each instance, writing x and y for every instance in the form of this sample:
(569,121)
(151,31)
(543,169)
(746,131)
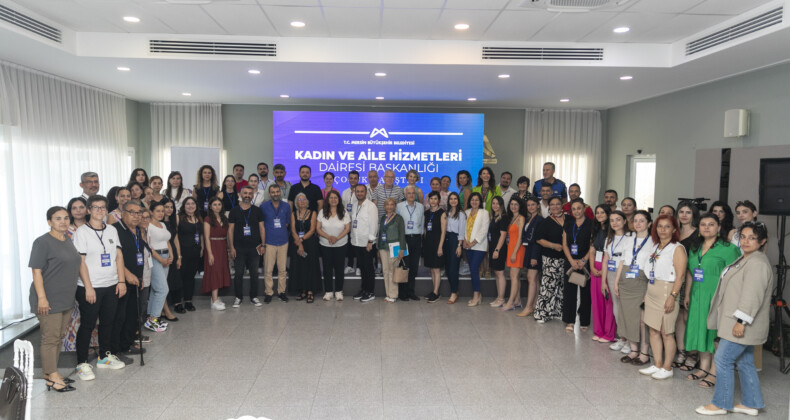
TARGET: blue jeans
(729,354)
(475,259)
(159,289)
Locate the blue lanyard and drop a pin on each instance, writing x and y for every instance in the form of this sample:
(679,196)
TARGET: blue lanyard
(232,205)
(392,190)
(411,212)
(613,245)
(136,236)
(247,217)
(431,219)
(206,190)
(636,250)
(576,232)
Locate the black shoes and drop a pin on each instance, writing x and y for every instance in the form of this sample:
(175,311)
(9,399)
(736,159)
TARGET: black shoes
(367,297)
(179,308)
(65,388)
(189,306)
(414,296)
(283,297)
(267,299)
(433,297)
(359,294)
(403,298)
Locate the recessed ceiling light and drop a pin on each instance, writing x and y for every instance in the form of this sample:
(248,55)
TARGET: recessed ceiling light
(461,26)
(380,74)
(621,29)
(131,19)
(471,99)
(297,24)
(504,76)
(626,77)
(123,68)
(379,97)
(253,71)
(186,94)
(285,96)
(565,100)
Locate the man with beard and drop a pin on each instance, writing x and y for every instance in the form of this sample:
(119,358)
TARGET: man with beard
(313,192)
(276,216)
(279,180)
(263,180)
(245,236)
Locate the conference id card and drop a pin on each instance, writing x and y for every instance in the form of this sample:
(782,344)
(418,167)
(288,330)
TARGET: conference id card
(247,230)
(598,256)
(384,237)
(301,234)
(348,207)
(139,258)
(574,249)
(611,265)
(633,271)
(699,274)
(489,236)
(105,260)
(410,224)
(205,206)
(429,226)
(277,224)
(652,277)
(354,225)
(197,239)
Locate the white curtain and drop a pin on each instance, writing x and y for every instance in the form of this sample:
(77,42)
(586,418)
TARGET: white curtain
(51,131)
(571,139)
(183,125)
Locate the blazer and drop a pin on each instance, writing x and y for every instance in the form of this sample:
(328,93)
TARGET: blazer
(528,239)
(479,230)
(744,292)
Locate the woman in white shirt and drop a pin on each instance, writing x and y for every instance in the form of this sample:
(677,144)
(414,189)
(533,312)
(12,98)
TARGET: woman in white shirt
(476,243)
(616,242)
(257,197)
(175,190)
(667,270)
(453,242)
(159,241)
(334,223)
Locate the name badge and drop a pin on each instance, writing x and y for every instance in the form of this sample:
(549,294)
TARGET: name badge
(197,239)
(205,206)
(139,258)
(699,274)
(410,225)
(489,236)
(429,226)
(354,225)
(301,235)
(598,256)
(247,230)
(652,277)
(348,207)
(633,271)
(277,224)
(611,265)
(105,260)
(384,237)
(574,249)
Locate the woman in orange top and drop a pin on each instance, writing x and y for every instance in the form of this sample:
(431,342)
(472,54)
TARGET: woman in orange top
(517,213)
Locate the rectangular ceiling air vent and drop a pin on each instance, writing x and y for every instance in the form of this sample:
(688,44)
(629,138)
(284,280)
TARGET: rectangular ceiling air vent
(543,54)
(29,24)
(757,23)
(212,48)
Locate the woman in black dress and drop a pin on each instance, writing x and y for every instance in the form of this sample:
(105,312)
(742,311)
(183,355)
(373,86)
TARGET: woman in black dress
(205,189)
(435,229)
(497,255)
(304,258)
(190,244)
(230,198)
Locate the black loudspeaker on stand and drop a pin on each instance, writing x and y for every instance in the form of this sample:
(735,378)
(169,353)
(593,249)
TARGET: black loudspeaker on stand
(778,302)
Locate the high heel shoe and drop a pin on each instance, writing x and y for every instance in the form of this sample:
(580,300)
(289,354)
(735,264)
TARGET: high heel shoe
(497,303)
(66,388)
(474,302)
(452,300)
(66,381)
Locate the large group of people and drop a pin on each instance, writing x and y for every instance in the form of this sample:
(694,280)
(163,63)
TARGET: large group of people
(690,289)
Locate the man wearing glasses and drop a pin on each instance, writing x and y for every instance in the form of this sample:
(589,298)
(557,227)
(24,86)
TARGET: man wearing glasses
(89,182)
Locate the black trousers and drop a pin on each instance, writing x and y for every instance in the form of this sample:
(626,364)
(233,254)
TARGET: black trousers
(249,258)
(133,313)
(104,310)
(365,260)
(350,252)
(190,265)
(414,244)
(453,261)
(332,262)
(569,310)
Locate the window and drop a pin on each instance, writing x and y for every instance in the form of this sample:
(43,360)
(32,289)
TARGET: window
(642,182)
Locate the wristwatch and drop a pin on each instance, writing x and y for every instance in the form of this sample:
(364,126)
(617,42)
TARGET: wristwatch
(740,321)
(496,250)
(674,293)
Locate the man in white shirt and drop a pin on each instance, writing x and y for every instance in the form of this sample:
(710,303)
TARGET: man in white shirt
(89,182)
(364,228)
(546,193)
(413,214)
(263,174)
(348,197)
(504,184)
(373,183)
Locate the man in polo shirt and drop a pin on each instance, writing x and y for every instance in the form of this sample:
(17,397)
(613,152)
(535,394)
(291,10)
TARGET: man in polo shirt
(238,173)
(279,180)
(574,192)
(413,214)
(313,193)
(101,284)
(133,248)
(373,183)
(387,190)
(610,199)
(89,182)
(504,184)
(557,186)
(245,234)
(276,216)
(364,228)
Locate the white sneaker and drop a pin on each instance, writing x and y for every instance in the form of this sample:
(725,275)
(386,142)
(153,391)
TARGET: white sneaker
(626,349)
(650,370)
(464,271)
(85,372)
(349,270)
(389,299)
(328,296)
(236,303)
(617,345)
(378,269)
(339,296)
(662,373)
(357,272)
(218,305)
(110,361)
(257,302)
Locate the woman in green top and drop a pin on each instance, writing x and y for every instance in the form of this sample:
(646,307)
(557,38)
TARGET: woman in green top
(707,258)
(464,181)
(391,230)
(487,187)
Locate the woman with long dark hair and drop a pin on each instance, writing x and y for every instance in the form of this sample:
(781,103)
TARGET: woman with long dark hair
(230,198)
(613,257)
(604,327)
(576,241)
(487,186)
(476,243)
(746,212)
(138,176)
(532,258)
(688,220)
(191,243)
(549,236)
(435,230)
(156,190)
(516,215)
(463,179)
(333,225)
(497,251)
(78,215)
(726,218)
(206,188)
(122,196)
(216,271)
(453,243)
(175,190)
(628,206)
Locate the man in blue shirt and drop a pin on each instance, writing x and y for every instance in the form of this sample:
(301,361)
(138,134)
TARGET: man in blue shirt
(276,216)
(557,186)
(413,214)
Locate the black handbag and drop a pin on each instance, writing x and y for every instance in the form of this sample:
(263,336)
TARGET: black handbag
(13,395)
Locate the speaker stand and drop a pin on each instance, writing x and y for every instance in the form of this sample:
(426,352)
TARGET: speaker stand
(780,305)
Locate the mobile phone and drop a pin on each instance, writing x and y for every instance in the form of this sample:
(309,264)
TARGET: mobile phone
(606,294)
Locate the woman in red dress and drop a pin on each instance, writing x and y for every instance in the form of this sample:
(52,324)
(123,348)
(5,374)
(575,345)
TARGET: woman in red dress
(216,271)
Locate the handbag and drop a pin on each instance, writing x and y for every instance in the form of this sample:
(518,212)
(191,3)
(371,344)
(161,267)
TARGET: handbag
(13,395)
(577,278)
(401,274)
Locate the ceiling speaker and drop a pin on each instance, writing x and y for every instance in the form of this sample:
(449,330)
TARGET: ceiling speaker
(736,123)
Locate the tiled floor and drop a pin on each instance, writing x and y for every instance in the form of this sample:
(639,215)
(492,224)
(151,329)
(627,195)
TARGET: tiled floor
(349,360)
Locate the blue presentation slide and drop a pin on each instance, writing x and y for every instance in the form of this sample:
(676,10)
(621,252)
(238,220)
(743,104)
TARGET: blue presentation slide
(339,142)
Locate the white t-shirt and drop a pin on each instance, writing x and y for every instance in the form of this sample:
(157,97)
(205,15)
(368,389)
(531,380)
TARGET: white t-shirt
(158,237)
(643,255)
(333,227)
(544,210)
(92,244)
(615,248)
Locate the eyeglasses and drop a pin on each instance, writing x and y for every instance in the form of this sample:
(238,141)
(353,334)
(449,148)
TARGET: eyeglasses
(135,213)
(100,208)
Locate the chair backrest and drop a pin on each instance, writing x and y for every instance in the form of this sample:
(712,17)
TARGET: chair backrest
(23,360)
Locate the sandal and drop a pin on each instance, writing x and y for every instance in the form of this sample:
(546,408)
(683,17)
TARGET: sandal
(569,328)
(680,359)
(639,362)
(628,359)
(696,376)
(301,296)
(691,363)
(706,383)
(452,300)
(310,298)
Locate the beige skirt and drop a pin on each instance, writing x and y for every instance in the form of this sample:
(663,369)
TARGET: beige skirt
(655,316)
(632,294)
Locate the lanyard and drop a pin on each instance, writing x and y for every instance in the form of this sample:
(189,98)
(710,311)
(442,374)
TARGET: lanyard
(276,211)
(431,219)
(101,238)
(636,250)
(392,190)
(136,235)
(701,255)
(656,253)
(613,246)
(232,199)
(388,219)
(247,217)
(359,207)
(411,212)
(303,219)
(206,190)
(576,232)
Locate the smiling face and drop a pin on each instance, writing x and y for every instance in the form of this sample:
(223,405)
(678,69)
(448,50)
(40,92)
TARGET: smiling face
(504,180)
(533,207)
(253,182)
(205,174)
(709,228)
(463,180)
(445,183)
(548,171)
(600,215)
(616,222)
(329,180)
(555,207)
(333,201)
(436,185)
(474,202)
(495,207)
(577,210)
(389,206)
(123,197)
(574,192)
(190,206)
(411,178)
(745,214)
(453,201)
(640,223)
(749,241)
(59,221)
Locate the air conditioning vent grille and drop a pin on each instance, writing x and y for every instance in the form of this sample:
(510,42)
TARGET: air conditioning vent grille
(757,23)
(29,24)
(212,48)
(543,54)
